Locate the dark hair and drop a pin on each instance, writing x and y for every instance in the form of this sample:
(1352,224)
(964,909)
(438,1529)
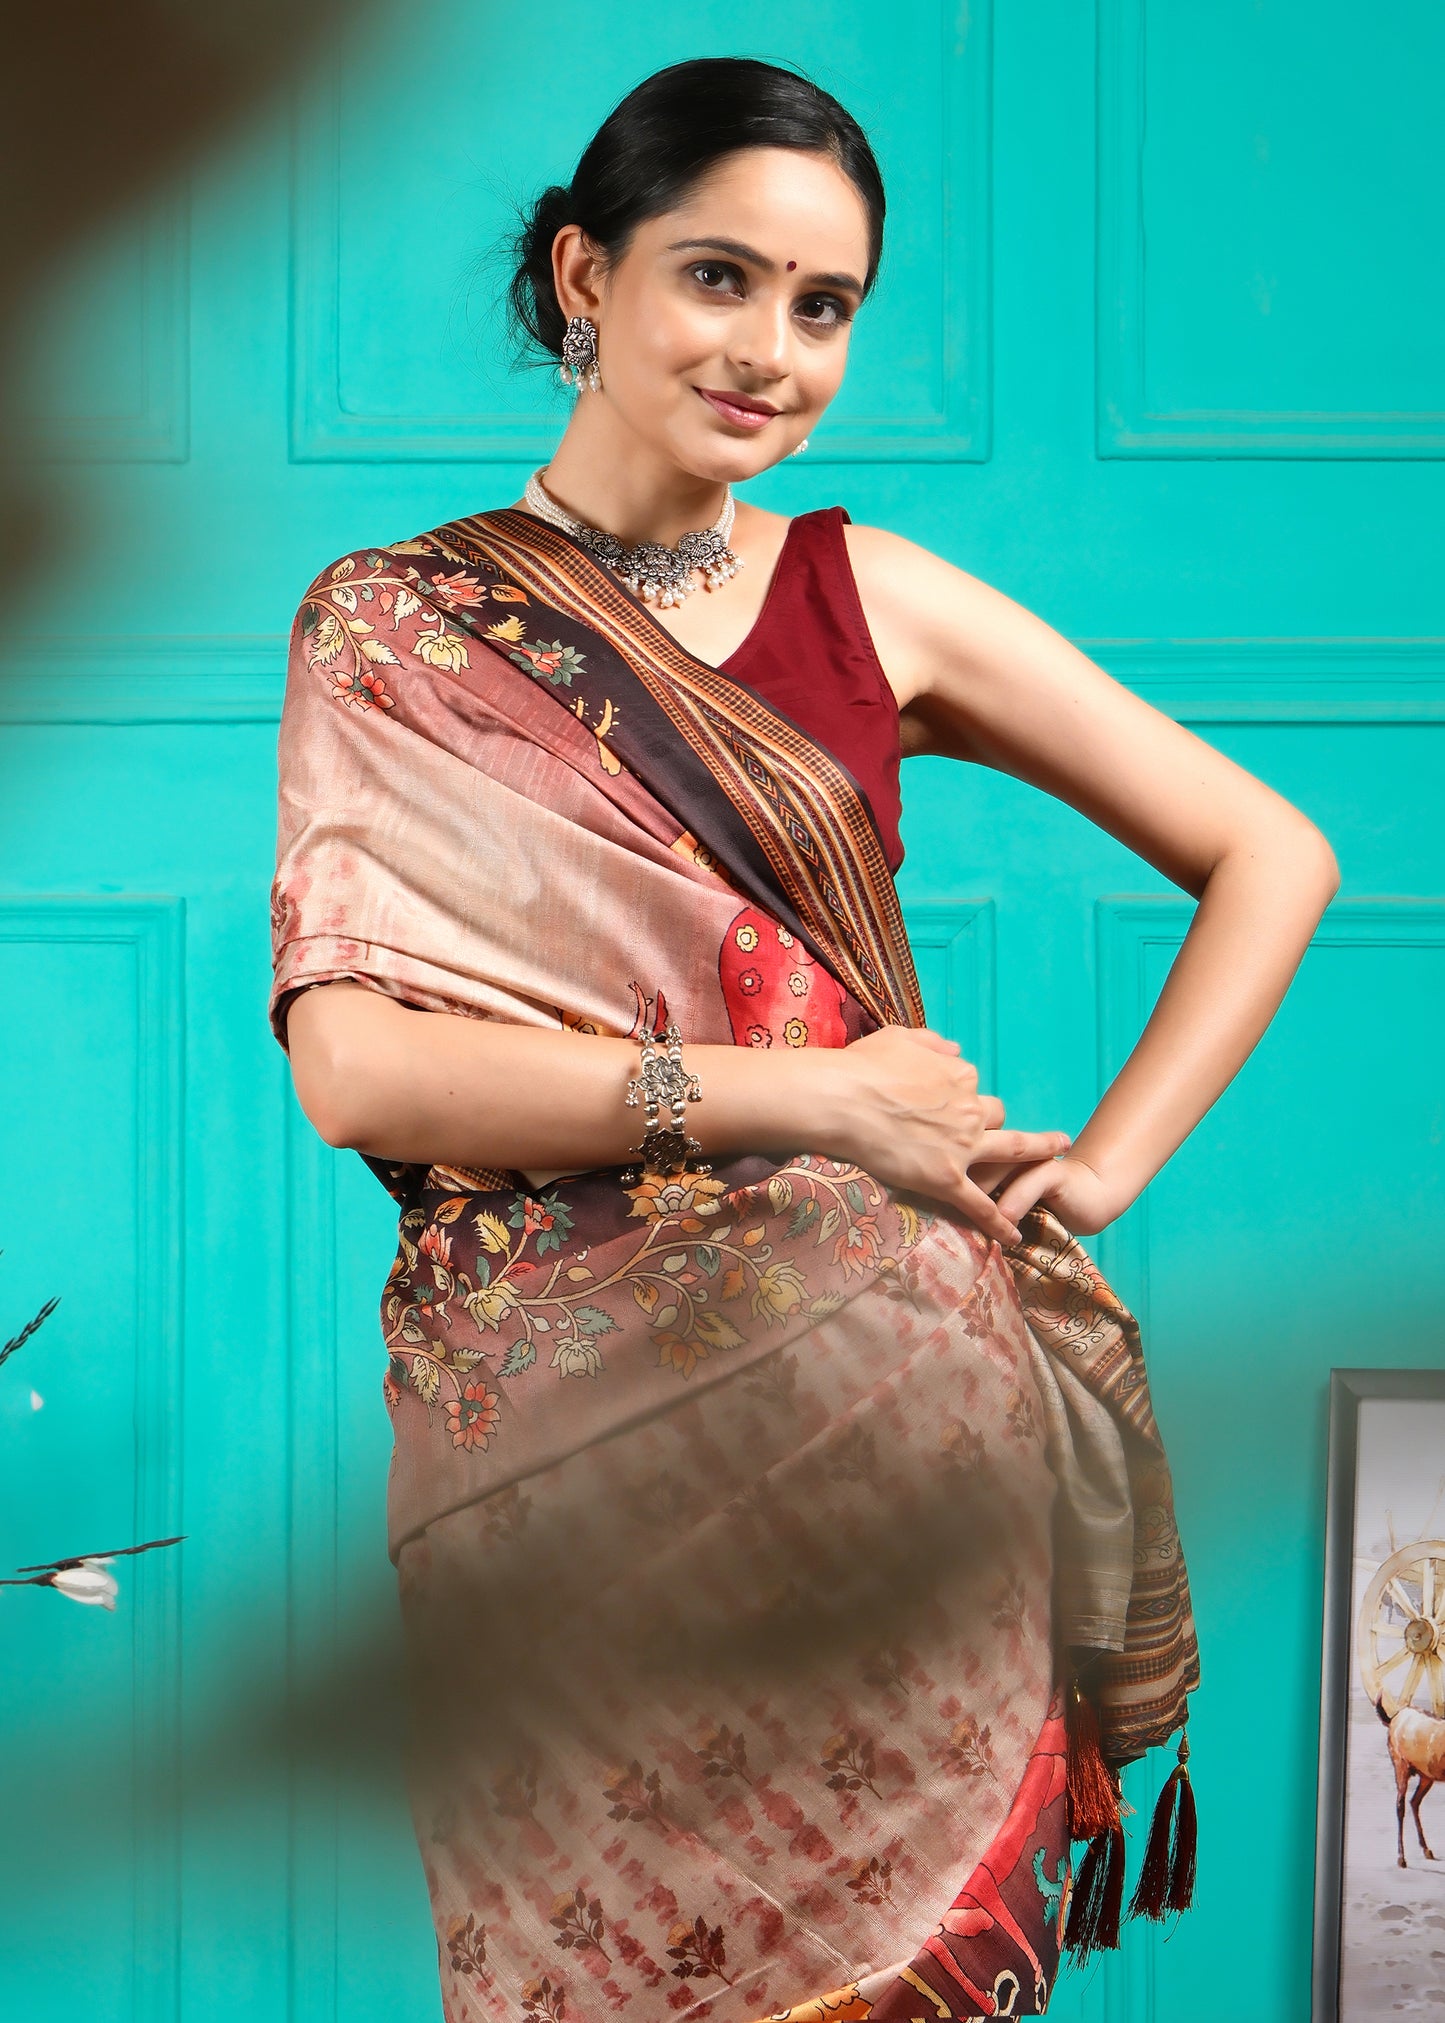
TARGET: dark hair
(661,140)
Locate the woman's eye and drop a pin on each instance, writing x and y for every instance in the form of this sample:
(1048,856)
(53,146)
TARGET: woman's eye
(824,309)
(711,267)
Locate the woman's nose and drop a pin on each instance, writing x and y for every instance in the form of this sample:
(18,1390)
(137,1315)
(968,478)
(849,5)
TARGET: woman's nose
(761,338)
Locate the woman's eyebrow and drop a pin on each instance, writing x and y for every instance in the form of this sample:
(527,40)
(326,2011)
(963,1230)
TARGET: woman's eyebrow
(749,253)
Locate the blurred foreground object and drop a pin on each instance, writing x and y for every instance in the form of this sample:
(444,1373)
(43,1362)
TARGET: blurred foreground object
(101,102)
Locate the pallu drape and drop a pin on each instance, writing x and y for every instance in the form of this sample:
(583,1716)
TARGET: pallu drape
(744,1523)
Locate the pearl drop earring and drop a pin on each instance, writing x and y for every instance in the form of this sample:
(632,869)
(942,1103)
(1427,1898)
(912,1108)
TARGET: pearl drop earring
(579,355)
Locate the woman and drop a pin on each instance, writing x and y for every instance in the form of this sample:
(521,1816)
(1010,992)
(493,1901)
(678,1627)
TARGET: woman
(784,1537)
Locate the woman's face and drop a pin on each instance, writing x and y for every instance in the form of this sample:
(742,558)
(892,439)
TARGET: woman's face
(748,287)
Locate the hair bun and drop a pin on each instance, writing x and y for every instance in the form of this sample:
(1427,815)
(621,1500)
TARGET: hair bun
(533,291)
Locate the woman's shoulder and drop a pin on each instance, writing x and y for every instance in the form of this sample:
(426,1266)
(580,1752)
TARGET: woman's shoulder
(912,599)
(408,558)
(892,562)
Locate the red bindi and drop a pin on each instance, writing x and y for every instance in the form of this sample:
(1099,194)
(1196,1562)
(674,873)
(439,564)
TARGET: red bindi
(791,265)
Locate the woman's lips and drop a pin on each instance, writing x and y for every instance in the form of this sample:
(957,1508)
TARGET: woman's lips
(741,417)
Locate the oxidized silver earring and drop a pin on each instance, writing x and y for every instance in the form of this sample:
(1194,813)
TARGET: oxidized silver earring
(799,450)
(579,355)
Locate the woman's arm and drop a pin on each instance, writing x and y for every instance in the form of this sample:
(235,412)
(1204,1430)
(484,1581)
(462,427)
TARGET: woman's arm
(385,1078)
(418,1086)
(981,678)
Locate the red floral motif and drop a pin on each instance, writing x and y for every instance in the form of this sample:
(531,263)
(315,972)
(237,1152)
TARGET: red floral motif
(858,1245)
(365,689)
(579,1922)
(699,1951)
(434,1242)
(458,588)
(872,1881)
(968,1751)
(1023,1423)
(635,1797)
(679,1353)
(723,1754)
(472,1418)
(467,1945)
(543,2001)
(850,1760)
(775,992)
(535,1216)
(962,1447)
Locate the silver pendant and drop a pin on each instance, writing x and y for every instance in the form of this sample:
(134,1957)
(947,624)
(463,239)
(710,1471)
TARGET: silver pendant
(660,575)
(655,573)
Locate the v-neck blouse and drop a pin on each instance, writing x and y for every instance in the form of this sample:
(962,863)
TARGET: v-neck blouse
(810,654)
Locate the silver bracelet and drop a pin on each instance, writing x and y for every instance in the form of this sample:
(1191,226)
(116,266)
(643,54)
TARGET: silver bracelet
(666,1149)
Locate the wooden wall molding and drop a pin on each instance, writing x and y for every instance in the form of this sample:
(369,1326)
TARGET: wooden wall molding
(314,1412)
(1125,425)
(240,679)
(152,928)
(954,942)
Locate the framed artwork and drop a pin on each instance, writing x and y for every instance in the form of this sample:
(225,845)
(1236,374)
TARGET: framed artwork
(1379,1942)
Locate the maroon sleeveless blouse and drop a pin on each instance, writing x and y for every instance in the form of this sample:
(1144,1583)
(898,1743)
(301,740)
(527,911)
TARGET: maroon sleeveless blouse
(811,656)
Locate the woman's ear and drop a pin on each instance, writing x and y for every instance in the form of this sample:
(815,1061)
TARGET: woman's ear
(576,272)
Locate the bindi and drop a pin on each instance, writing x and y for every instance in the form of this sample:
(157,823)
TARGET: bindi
(791,265)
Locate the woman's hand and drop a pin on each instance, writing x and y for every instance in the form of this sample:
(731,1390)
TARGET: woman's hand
(911,1114)
(1072,1188)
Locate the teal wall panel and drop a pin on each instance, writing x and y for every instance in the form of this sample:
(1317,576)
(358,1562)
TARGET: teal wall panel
(369,384)
(91,1133)
(1268,276)
(113,378)
(1154,351)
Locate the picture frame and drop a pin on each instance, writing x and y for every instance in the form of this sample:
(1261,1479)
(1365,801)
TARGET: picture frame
(1377,1924)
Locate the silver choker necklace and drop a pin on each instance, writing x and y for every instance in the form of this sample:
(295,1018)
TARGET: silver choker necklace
(656,574)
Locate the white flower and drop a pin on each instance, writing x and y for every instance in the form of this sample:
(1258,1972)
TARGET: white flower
(88,1583)
(576,1357)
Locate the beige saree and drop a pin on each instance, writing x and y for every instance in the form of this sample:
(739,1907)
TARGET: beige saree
(744,1524)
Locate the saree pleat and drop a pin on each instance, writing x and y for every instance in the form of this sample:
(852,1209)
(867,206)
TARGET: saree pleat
(742,1522)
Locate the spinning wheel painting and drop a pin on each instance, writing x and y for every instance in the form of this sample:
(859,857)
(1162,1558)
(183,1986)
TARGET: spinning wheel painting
(1400,1636)
(1380,1855)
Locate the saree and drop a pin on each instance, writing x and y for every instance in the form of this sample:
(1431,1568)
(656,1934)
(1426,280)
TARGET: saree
(746,1523)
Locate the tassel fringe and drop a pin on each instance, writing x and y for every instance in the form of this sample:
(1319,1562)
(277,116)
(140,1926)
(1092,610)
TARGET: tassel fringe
(1095,1804)
(1097,1897)
(1094,1815)
(1092,1788)
(1166,1879)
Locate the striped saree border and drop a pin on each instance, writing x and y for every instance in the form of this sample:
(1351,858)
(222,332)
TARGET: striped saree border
(804,812)
(1144,1688)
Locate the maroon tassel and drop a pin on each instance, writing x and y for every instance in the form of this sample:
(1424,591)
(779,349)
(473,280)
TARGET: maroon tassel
(1166,1879)
(1093,1791)
(1097,1897)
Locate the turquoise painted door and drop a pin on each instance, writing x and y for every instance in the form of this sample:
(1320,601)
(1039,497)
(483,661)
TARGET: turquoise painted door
(1156,352)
